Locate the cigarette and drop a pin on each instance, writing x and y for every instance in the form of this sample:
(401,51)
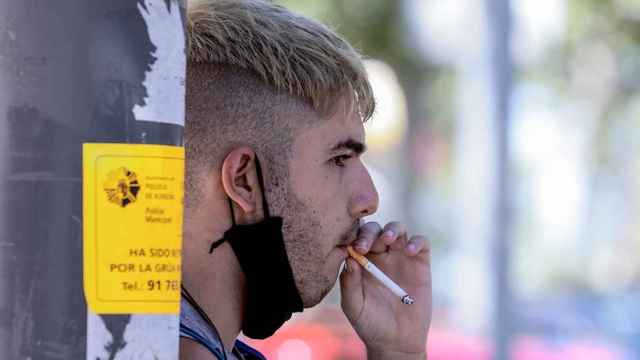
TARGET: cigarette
(382,277)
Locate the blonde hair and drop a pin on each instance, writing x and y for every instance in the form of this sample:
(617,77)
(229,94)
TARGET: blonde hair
(288,52)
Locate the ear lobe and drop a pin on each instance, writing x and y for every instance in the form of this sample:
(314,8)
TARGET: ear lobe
(240,183)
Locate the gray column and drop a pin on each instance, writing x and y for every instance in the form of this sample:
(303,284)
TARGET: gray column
(71,71)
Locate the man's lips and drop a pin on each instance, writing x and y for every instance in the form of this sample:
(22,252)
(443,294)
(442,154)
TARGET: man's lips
(350,236)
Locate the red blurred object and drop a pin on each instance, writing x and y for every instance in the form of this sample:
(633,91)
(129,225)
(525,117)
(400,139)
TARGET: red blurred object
(300,341)
(532,348)
(332,338)
(445,344)
(590,351)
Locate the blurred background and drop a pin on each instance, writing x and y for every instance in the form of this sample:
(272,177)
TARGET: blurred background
(508,133)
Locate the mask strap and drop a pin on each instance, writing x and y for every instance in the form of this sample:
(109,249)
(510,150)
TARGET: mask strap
(187,296)
(233,218)
(264,195)
(233,222)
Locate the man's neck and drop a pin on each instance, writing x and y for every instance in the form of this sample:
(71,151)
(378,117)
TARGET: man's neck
(216,282)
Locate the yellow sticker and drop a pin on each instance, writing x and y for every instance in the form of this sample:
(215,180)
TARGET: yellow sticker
(133,197)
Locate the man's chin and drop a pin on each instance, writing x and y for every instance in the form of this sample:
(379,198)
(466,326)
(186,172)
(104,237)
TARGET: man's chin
(311,300)
(323,282)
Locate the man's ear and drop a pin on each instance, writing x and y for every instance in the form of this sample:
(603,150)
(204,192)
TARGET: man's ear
(240,182)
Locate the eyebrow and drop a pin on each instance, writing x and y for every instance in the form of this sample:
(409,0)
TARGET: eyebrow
(351,144)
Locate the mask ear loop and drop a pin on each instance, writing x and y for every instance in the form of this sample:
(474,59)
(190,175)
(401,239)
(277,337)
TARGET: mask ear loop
(264,195)
(233,218)
(185,294)
(233,222)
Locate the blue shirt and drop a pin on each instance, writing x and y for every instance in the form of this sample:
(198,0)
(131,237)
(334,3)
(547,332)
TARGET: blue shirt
(194,327)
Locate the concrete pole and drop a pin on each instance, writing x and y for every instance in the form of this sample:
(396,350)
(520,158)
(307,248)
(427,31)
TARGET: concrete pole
(73,72)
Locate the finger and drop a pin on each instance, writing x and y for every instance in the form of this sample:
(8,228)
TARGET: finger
(351,289)
(387,236)
(398,238)
(417,244)
(366,236)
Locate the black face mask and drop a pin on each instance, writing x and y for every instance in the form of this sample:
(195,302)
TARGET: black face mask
(272,296)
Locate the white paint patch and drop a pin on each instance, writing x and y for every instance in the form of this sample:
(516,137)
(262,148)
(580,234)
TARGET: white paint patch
(97,337)
(165,81)
(147,337)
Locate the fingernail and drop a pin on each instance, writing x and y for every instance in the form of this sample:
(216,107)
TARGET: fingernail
(412,247)
(388,233)
(361,248)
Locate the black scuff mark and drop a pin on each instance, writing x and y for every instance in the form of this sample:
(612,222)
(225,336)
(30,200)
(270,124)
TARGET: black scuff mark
(166,2)
(119,78)
(116,325)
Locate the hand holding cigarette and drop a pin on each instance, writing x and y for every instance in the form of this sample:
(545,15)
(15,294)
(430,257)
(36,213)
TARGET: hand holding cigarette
(370,292)
(378,274)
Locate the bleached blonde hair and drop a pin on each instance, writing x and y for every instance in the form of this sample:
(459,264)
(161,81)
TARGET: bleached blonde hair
(256,74)
(289,52)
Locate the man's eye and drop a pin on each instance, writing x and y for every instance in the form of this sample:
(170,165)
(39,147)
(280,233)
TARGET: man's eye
(339,160)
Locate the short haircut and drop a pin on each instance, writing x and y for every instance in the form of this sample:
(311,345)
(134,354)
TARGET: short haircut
(252,66)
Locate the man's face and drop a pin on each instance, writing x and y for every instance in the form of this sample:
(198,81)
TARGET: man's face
(329,190)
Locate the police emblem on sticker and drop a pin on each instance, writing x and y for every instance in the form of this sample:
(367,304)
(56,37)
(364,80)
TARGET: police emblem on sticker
(122,187)
(132,216)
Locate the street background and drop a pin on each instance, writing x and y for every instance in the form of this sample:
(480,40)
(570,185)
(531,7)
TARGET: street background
(508,133)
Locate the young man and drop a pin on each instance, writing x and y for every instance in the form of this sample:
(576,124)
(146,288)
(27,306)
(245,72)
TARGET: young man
(275,188)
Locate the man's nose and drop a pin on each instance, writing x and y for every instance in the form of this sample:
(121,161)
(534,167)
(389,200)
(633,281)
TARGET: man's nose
(364,200)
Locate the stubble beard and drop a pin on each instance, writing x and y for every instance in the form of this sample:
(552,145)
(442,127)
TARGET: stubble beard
(303,237)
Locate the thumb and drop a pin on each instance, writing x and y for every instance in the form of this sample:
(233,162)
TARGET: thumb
(351,290)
